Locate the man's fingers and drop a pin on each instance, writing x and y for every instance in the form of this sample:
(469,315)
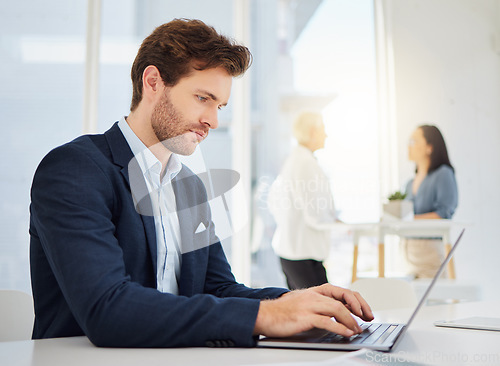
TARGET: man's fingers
(331,325)
(353,300)
(367,314)
(328,308)
(358,306)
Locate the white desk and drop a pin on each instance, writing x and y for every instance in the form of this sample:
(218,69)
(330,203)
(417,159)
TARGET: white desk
(446,346)
(423,228)
(423,342)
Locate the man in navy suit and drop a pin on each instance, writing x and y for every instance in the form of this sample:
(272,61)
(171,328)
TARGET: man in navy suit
(123,248)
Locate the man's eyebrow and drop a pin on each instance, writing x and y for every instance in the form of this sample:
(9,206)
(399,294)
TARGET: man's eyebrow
(210,95)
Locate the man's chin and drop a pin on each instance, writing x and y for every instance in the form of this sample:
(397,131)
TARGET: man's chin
(184,152)
(186,148)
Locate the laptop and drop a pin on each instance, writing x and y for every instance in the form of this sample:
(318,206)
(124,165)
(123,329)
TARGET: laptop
(375,336)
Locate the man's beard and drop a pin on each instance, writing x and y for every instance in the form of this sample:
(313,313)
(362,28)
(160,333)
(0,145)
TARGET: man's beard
(170,128)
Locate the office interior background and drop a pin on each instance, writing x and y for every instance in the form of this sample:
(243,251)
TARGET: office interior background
(376,69)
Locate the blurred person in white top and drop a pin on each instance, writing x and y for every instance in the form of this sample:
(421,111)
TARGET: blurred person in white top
(301,202)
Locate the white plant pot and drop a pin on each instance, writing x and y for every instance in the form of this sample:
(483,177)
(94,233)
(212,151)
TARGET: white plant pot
(398,210)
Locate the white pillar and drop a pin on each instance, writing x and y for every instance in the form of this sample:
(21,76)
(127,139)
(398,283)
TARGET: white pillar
(388,147)
(241,148)
(91,88)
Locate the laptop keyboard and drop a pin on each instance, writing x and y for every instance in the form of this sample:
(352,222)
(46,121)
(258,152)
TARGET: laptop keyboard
(372,334)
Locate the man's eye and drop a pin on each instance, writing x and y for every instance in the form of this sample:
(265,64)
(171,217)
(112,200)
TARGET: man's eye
(202,99)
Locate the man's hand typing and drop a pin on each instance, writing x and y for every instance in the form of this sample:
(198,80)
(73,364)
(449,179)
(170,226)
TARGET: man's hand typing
(301,310)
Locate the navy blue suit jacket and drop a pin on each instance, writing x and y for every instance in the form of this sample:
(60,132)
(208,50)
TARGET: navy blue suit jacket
(93,258)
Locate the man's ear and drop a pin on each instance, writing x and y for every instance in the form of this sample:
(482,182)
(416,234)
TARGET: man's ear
(151,82)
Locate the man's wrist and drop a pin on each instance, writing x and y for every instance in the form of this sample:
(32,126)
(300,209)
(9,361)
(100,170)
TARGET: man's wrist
(261,316)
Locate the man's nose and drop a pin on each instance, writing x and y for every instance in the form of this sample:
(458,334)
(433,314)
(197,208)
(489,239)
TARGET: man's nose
(211,118)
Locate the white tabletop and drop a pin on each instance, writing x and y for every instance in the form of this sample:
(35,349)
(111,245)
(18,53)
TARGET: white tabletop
(433,345)
(78,351)
(423,342)
(394,226)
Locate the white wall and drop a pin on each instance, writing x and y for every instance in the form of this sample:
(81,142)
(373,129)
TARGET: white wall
(447,72)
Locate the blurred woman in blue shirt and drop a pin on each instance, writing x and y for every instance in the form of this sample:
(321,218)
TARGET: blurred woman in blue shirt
(434,194)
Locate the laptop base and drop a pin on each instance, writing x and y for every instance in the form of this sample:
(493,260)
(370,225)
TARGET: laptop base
(375,336)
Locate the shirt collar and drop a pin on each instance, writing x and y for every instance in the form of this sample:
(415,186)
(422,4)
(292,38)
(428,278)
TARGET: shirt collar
(145,158)
(304,150)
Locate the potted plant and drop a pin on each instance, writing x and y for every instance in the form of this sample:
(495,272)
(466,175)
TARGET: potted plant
(397,208)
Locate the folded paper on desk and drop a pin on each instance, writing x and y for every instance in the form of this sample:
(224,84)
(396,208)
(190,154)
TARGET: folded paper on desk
(476,322)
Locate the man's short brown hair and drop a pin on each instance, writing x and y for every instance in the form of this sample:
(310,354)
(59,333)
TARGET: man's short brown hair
(176,47)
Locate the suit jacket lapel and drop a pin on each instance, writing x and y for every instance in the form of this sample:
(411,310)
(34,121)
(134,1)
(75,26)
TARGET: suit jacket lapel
(123,157)
(184,213)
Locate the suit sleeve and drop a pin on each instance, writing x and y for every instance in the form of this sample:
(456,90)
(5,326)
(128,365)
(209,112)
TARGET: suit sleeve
(221,282)
(73,201)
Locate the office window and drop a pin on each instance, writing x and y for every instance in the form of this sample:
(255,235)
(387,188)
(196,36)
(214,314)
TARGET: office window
(41,78)
(335,54)
(320,56)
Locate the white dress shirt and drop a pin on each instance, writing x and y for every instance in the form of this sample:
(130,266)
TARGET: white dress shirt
(164,209)
(301,202)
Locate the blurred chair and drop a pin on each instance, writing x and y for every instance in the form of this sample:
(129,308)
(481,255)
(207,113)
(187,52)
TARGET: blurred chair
(448,291)
(386,293)
(16,315)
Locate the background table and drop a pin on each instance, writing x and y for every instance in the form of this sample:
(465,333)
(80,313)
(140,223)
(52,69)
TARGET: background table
(419,228)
